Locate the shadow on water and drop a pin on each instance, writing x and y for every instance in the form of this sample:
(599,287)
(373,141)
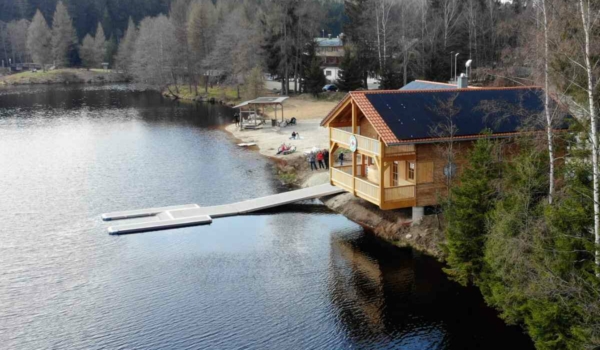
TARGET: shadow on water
(400,298)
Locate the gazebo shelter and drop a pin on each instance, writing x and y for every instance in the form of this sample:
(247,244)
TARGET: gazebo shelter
(252,113)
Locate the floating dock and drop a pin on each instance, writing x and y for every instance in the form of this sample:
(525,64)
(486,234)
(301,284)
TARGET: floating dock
(193,214)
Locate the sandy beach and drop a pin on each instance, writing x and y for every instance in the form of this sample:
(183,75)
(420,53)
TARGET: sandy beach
(309,114)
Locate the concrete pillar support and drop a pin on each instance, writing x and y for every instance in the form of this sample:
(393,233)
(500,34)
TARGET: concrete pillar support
(417,214)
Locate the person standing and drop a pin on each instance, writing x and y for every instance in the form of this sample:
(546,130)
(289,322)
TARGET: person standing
(326,158)
(311,160)
(341,158)
(320,159)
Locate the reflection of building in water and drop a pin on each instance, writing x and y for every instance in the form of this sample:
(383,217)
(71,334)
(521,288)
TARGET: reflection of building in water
(363,286)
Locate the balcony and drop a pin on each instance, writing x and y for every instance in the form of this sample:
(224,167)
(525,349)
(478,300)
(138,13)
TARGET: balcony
(402,196)
(365,145)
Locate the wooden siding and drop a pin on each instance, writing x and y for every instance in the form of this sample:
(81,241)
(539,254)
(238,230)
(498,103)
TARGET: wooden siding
(366,129)
(432,154)
(424,172)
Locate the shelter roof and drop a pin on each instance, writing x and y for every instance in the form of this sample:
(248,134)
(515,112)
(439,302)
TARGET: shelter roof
(412,116)
(263,101)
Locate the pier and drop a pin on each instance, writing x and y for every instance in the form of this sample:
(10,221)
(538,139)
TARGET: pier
(193,214)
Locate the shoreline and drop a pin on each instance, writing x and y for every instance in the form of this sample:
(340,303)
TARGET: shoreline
(393,226)
(63,76)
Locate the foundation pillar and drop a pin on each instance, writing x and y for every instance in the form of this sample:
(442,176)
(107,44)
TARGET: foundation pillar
(417,214)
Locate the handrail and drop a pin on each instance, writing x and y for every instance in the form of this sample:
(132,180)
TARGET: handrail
(364,144)
(367,189)
(399,192)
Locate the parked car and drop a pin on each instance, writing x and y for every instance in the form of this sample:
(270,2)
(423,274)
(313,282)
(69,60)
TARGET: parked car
(330,87)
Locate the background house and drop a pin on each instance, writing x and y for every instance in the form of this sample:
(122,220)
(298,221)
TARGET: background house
(331,52)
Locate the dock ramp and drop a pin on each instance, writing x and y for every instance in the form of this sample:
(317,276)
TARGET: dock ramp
(193,214)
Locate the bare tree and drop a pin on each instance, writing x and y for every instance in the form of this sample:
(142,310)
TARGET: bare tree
(153,58)
(39,40)
(17,36)
(589,17)
(200,35)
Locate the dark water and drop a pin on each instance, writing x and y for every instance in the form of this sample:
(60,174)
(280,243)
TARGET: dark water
(298,277)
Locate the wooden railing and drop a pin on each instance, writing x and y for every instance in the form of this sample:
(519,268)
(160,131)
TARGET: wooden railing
(348,169)
(341,178)
(364,144)
(399,193)
(367,144)
(340,136)
(367,189)
(399,150)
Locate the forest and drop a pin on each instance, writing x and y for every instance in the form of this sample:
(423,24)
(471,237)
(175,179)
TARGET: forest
(525,230)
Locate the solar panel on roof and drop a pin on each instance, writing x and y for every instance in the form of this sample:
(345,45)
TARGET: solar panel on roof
(416,115)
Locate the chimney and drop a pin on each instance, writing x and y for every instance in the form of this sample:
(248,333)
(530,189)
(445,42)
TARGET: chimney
(329,36)
(462,81)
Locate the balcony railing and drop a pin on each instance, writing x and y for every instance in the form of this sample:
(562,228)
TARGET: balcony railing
(341,178)
(399,193)
(368,190)
(364,144)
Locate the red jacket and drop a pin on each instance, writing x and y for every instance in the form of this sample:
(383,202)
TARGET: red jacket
(319,156)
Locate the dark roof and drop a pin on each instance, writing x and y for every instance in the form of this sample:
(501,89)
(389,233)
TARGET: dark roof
(413,115)
(427,85)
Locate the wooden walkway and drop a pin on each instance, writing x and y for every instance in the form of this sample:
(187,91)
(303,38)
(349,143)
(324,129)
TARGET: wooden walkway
(192,214)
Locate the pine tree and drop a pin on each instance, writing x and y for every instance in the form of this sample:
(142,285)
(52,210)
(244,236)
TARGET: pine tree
(315,78)
(39,40)
(100,45)
(390,79)
(127,48)
(89,59)
(350,76)
(466,213)
(64,37)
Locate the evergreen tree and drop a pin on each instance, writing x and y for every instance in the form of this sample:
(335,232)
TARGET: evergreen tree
(390,79)
(350,76)
(126,48)
(64,37)
(39,40)
(87,52)
(311,72)
(467,210)
(100,45)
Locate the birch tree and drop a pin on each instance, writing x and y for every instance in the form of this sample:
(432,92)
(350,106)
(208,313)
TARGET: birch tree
(589,17)
(39,40)
(64,37)
(549,128)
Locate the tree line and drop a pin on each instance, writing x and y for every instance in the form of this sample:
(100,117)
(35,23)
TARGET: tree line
(523,222)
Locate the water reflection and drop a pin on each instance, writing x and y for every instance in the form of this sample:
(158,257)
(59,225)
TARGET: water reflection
(395,297)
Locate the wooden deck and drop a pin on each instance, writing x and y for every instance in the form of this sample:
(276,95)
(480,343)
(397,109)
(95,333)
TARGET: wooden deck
(192,214)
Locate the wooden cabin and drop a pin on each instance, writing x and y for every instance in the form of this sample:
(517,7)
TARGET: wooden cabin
(394,140)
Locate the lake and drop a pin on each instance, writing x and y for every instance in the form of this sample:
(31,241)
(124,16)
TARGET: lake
(296,277)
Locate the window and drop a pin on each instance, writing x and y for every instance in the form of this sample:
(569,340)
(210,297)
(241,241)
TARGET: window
(328,73)
(395,174)
(411,171)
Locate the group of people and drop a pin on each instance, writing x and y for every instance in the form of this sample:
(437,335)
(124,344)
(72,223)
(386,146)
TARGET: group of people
(321,157)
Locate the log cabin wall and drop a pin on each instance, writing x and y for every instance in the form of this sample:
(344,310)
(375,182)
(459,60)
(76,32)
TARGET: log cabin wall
(431,181)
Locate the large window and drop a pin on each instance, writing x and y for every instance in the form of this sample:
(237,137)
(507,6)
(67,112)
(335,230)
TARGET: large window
(395,174)
(411,171)
(328,73)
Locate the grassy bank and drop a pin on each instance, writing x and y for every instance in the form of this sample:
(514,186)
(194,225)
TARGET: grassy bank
(219,93)
(63,76)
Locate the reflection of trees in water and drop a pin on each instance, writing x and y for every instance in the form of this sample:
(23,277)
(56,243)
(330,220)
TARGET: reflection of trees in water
(150,105)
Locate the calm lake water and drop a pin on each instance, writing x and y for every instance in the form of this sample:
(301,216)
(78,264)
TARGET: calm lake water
(299,277)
